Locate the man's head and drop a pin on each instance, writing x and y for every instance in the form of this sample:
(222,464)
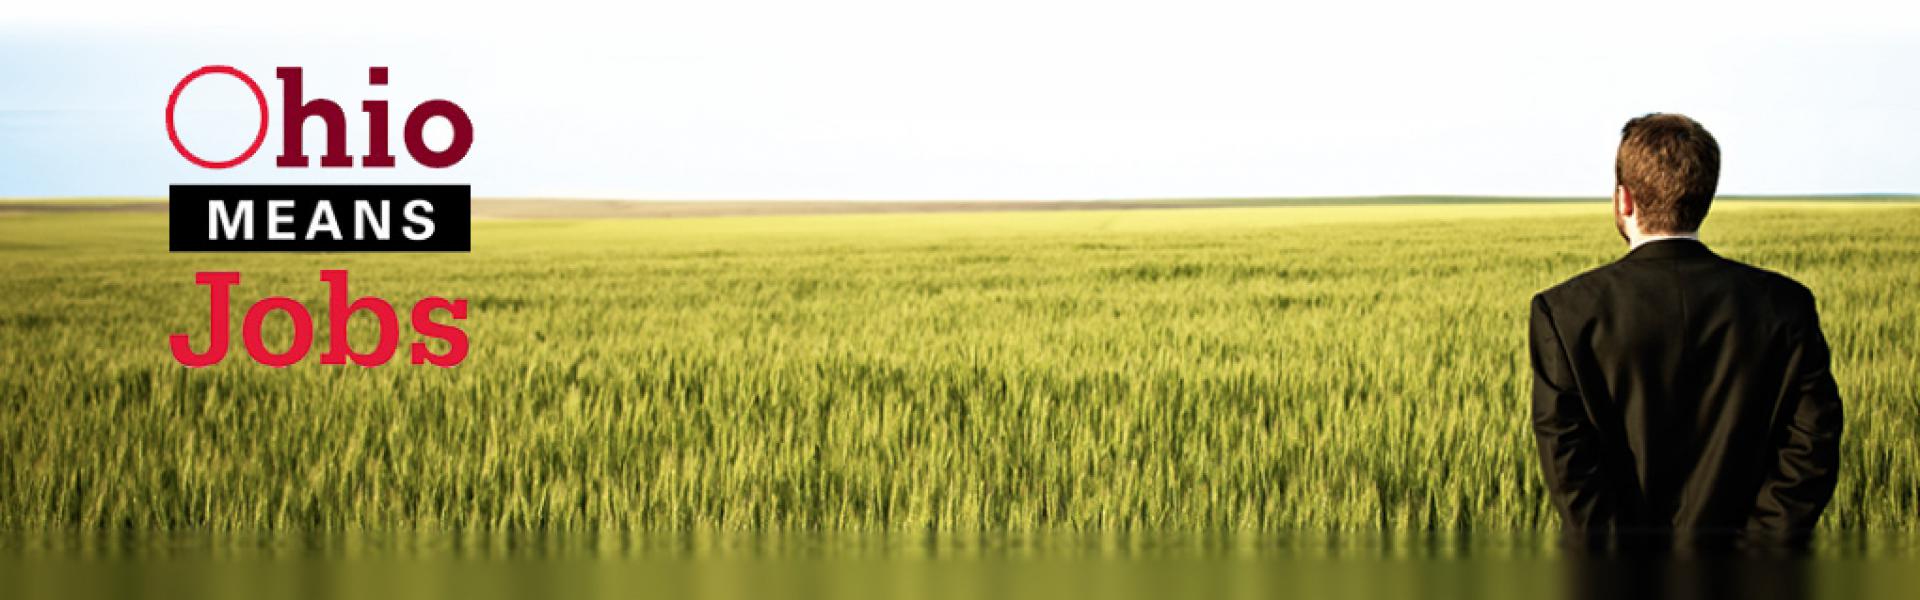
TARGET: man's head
(1664,175)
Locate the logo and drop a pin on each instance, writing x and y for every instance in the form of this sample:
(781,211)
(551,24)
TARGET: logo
(323,217)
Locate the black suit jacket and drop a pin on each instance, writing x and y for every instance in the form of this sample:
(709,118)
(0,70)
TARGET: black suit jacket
(1683,397)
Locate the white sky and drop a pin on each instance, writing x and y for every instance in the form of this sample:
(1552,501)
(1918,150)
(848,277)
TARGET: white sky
(1030,99)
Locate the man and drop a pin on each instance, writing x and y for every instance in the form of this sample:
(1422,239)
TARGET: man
(1680,399)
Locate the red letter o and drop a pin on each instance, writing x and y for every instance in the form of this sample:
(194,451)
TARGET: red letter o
(302,332)
(258,97)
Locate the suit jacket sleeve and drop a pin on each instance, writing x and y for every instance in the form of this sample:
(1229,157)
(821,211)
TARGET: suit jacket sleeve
(1570,443)
(1806,441)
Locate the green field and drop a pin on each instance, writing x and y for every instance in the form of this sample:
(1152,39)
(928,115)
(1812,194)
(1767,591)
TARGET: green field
(1262,369)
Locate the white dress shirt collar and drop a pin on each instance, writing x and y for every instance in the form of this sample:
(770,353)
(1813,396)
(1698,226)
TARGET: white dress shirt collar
(1691,235)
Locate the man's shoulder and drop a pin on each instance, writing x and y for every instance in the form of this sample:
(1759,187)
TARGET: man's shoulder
(1787,295)
(1769,279)
(1585,285)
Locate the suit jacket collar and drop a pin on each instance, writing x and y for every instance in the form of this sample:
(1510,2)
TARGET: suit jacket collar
(1669,248)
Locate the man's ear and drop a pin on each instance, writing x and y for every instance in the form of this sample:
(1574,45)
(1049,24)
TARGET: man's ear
(1623,201)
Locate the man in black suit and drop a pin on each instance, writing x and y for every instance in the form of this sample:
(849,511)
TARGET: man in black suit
(1680,399)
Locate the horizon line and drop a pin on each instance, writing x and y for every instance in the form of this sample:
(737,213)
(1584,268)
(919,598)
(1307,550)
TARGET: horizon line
(1323,198)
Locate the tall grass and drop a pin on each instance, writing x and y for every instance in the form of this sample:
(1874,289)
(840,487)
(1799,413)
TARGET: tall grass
(1343,369)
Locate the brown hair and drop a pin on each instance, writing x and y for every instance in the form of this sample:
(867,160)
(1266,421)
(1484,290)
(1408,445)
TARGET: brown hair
(1671,165)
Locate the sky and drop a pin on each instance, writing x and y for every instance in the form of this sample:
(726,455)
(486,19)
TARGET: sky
(984,99)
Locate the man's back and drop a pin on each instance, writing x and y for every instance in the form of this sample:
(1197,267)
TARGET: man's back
(1679,392)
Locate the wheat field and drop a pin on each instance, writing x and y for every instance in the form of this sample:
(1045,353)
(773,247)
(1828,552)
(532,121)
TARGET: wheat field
(1258,369)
